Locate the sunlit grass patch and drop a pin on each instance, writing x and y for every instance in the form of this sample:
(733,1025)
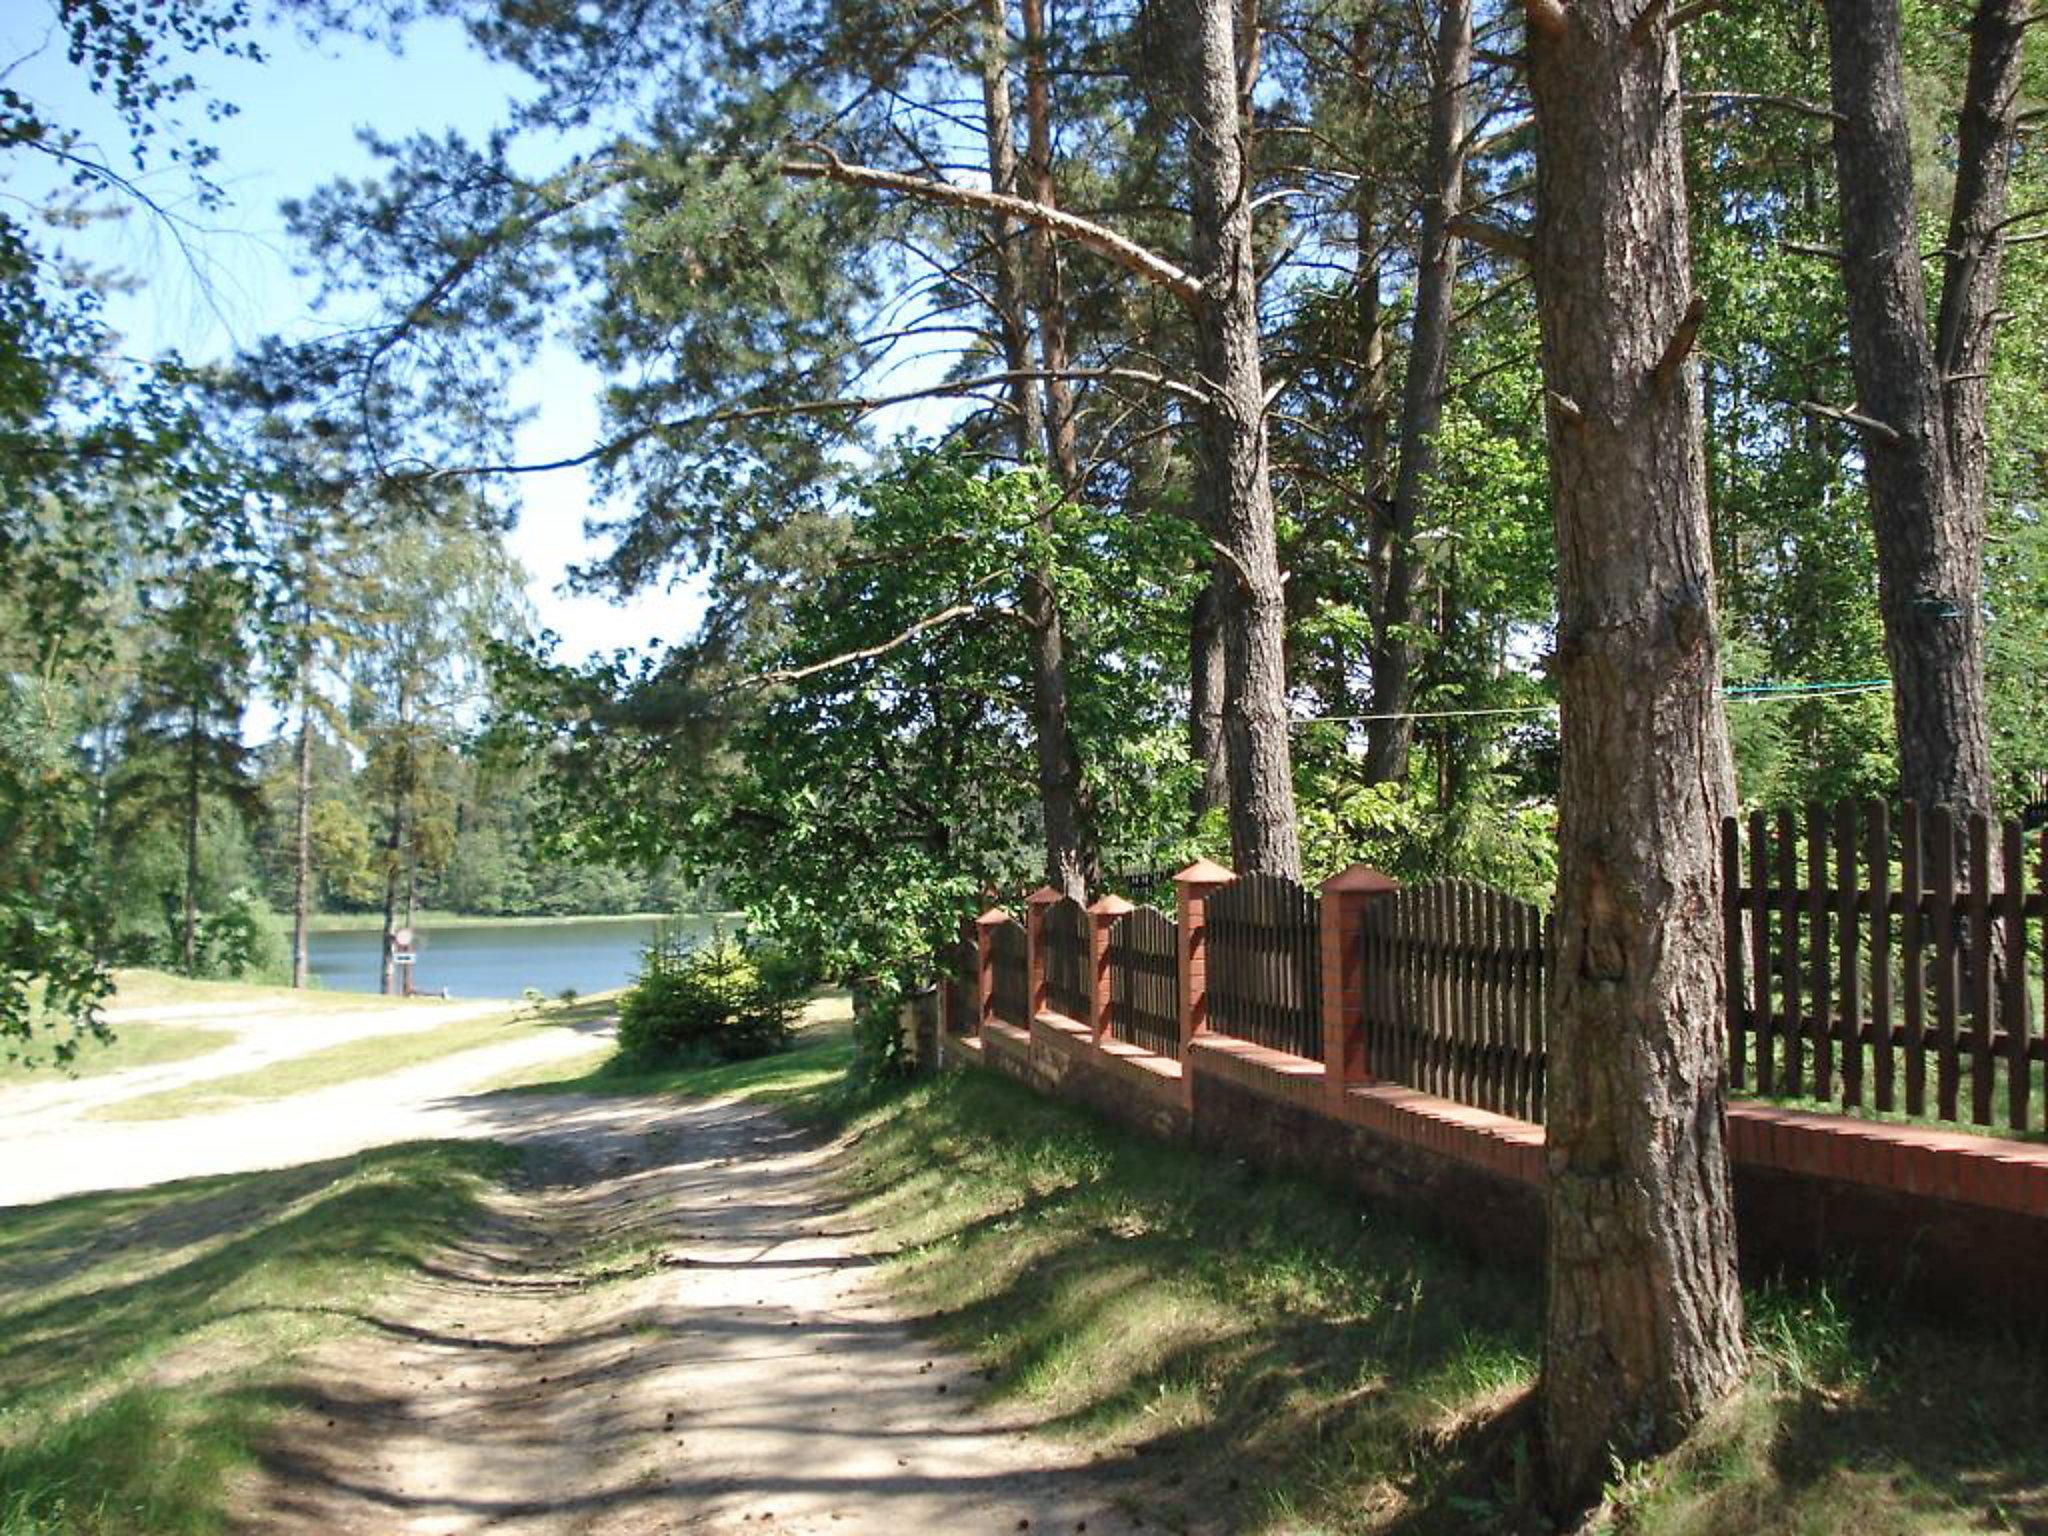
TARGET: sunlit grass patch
(132,1045)
(147,1328)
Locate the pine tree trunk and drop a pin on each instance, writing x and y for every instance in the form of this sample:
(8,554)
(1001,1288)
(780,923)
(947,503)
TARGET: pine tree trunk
(392,844)
(1071,859)
(191,932)
(302,836)
(1924,465)
(999,121)
(1388,740)
(1643,1325)
(1206,744)
(1237,487)
(1048,290)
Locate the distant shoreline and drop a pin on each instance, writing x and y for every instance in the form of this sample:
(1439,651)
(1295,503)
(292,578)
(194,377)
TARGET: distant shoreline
(372,922)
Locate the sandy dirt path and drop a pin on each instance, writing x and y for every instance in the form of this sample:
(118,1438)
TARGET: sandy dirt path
(263,1033)
(47,1150)
(745,1375)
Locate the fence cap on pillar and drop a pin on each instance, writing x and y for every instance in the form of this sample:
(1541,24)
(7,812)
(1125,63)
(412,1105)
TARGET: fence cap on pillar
(1204,872)
(994,917)
(1359,879)
(1044,896)
(1110,906)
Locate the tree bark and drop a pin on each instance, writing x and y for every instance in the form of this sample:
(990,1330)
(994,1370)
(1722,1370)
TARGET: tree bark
(1237,486)
(1643,1325)
(1072,863)
(1422,398)
(302,831)
(1008,235)
(401,785)
(1206,744)
(190,945)
(1926,475)
(1048,289)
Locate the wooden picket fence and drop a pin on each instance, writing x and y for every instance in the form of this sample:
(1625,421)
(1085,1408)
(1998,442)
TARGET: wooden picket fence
(1873,961)
(1265,964)
(1885,965)
(1144,981)
(960,964)
(1067,986)
(1010,981)
(1456,989)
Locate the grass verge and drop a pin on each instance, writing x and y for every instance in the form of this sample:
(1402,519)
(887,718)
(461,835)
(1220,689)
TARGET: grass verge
(349,1061)
(133,1045)
(148,1331)
(1161,1304)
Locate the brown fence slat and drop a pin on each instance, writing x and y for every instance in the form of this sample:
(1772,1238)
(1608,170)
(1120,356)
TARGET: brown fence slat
(1736,981)
(1821,1027)
(1788,939)
(2014,1014)
(1878,850)
(1912,849)
(1849,991)
(1760,959)
(1941,849)
(1979,960)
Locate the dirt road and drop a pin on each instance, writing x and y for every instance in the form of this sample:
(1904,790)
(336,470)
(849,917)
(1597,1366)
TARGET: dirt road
(50,1148)
(671,1329)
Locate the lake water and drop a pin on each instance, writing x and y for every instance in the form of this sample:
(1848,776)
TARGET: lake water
(497,959)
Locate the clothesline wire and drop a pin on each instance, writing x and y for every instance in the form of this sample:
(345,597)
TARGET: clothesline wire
(1745,693)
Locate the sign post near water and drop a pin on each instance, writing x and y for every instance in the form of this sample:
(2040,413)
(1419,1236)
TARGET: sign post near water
(403,956)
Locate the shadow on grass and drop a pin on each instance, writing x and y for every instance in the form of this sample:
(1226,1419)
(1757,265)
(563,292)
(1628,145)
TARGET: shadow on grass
(1159,1304)
(213,1278)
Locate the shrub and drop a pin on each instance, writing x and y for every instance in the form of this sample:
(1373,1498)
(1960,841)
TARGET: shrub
(718,1001)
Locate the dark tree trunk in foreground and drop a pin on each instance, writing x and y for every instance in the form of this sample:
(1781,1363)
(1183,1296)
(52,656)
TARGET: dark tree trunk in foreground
(1237,487)
(1925,392)
(1070,854)
(1643,1325)
(1422,399)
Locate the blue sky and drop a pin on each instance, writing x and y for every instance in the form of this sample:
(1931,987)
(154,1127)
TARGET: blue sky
(296,128)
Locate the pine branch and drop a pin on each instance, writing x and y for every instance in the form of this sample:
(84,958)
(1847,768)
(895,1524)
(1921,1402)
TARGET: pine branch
(1126,253)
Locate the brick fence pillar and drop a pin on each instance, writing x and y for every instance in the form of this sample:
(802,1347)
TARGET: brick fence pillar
(1101,918)
(985,927)
(1036,905)
(1195,885)
(1345,896)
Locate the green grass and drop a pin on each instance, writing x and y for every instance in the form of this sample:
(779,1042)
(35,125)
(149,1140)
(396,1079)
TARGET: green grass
(350,1061)
(148,1332)
(1158,1304)
(133,1045)
(139,990)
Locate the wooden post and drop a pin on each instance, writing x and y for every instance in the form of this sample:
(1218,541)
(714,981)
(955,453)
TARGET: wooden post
(1101,918)
(1194,886)
(1036,905)
(985,927)
(1345,896)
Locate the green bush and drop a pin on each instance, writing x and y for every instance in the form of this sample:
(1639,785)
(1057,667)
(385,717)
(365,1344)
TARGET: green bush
(717,1001)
